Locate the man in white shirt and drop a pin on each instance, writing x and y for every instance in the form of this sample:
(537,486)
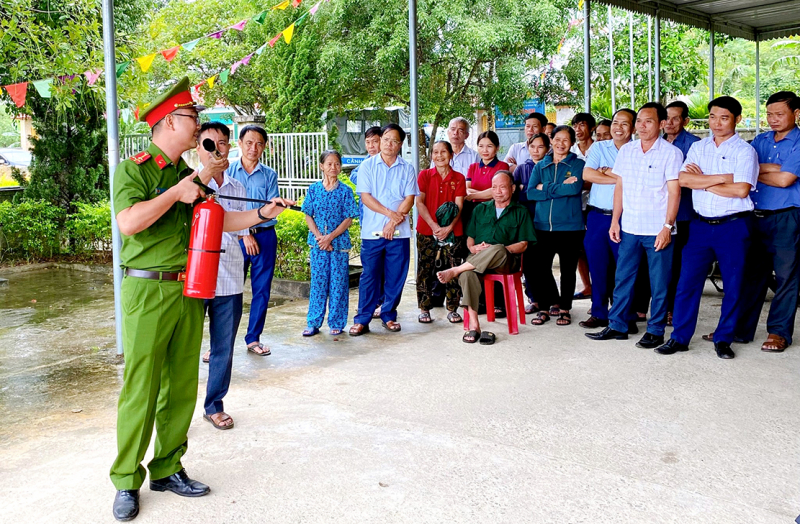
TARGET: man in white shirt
(463,155)
(518,153)
(721,170)
(646,197)
(225,309)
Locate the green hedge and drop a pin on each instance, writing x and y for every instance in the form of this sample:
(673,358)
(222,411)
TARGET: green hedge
(31,230)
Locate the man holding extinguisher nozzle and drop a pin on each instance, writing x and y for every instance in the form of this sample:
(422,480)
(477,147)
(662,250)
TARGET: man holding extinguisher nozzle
(161,328)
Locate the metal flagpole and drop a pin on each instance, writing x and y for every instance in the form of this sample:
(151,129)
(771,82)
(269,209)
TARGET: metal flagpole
(649,59)
(633,77)
(611,57)
(412,66)
(587,63)
(112,122)
(711,63)
(758,86)
(657,33)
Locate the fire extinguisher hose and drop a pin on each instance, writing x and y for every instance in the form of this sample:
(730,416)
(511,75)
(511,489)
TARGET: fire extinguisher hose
(208,191)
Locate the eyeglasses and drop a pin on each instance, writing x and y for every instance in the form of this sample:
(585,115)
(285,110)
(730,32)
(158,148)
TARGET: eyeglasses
(196,118)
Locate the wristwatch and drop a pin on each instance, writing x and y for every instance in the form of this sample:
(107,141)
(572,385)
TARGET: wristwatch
(671,227)
(262,217)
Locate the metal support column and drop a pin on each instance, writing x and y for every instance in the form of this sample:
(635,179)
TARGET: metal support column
(649,60)
(412,67)
(758,85)
(711,64)
(611,57)
(633,76)
(587,65)
(112,122)
(657,82)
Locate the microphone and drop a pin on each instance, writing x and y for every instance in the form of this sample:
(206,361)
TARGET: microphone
(211,147)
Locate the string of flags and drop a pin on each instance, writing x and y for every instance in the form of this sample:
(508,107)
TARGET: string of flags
(18,91)
(572,24)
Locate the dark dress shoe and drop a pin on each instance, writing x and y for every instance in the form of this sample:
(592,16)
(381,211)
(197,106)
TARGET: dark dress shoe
(608,334)
(593,323)
(671,347)
(650,341)
(126,504)
(724,350)
(181,484)
(633,329)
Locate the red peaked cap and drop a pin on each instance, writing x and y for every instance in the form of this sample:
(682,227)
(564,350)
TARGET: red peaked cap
(176,98)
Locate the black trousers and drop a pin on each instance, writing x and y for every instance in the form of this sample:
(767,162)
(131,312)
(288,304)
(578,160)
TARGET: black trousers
(567,245)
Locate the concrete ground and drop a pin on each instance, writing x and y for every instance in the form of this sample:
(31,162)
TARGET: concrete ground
(416,427)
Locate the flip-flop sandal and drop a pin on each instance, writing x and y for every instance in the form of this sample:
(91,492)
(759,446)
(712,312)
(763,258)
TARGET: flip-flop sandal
(709,337)
(540,319)
(252,349)
(376,313)
(564,319)
(335,332)
(531,309)
(424,318)
(487,338)
(580,296)
(394,327)
(499,313)
(357,332)
(310,332)
(219,426)
(474,335)
(207,360)
(454,318)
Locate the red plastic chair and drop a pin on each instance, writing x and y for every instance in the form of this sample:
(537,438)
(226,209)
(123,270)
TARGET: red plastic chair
(512,294)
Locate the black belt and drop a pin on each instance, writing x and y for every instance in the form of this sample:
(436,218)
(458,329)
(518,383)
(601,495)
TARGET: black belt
(254,230)
(154,275)
(606,212)
(761,213)
(722,220)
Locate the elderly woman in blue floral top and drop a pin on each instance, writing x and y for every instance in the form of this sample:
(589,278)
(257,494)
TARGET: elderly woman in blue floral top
(330,208)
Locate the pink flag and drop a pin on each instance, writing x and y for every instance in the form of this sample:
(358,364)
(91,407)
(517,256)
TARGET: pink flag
(275,40)
(246,60)
(216,35)
(314,9)
(236,66)
(18,93)
(91,76)
(240,25)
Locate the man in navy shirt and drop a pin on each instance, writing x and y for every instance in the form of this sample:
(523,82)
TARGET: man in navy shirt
(776,235)
(675,133)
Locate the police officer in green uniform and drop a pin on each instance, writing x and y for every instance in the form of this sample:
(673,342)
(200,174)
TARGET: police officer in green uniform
(161,329)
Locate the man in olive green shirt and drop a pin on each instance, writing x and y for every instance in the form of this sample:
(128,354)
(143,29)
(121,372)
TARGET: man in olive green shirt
(497,234)
(161,329)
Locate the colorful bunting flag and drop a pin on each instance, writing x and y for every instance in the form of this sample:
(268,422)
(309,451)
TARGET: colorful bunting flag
(211,81)
(246,60)
(283,5)
(91,76)
(223,76)
(236,66)
(239,26)
(43,87)
(296,3)
(189,46)
(287,34)
(275,40)
(170,54)
(122,67)
(18,93)
(300,20)
(216,35)
(136,113)
(146,61)
(261,49)
(260,17)
(313,10)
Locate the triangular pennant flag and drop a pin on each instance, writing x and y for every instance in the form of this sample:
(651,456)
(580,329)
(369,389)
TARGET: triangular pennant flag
(236,66)
(261,49)
(91,76)
(65,78)
(260,17)
(246,60)
(300,20)
(198,86)
(287,34)
(314,9)
(275,40)
(239,26)
(122,67)
(216,35)
(223,76)
(136,113)
(43,87)
(189,46)
(170,54)
(296,3)
(283,5)
(211,81)
(18,93)
(146,61)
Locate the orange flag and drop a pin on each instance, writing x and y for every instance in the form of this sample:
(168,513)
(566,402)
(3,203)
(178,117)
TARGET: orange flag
(171,53)
(18,93)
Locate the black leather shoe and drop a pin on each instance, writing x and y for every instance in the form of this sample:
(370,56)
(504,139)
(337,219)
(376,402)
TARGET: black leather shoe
(633,329)
(181,484)
(671,347)
(126,504)
(724,350)
(608,334)
(650,341)
(593,323)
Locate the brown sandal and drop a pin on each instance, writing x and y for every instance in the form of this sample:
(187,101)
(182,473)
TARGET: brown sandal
(391,326)
(358,329)
(774,344)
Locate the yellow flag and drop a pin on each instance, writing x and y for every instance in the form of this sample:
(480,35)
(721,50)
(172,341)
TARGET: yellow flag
(287,34)
(580,4)
(283,5)
(146,61)
(211,81)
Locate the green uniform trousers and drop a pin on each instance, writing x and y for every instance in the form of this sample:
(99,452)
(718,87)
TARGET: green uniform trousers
(495,258)
(161,331)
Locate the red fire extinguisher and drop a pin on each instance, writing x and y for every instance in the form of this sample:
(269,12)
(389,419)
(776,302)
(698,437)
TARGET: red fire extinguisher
(205,243)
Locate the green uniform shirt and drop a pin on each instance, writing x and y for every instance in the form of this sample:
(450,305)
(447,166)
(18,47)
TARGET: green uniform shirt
(164,245)
(514,225)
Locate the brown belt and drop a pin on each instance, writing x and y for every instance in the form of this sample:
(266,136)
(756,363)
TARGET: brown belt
(155,275)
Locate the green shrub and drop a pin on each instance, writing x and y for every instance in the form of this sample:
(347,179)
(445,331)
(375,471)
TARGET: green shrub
(89,229)
(292,261)
(30,230)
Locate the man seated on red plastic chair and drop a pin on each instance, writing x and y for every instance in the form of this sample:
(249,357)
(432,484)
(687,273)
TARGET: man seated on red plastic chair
(498,232)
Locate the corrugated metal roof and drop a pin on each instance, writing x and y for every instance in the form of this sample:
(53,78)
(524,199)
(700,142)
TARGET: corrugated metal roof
(750,19)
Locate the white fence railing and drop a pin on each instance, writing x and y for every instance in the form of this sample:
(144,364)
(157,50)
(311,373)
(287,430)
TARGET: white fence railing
(295,156)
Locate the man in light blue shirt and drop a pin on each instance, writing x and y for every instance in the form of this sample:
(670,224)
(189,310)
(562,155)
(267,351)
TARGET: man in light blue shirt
(260,246)
(372,142)
(601,252)
(387,185)
(463,155)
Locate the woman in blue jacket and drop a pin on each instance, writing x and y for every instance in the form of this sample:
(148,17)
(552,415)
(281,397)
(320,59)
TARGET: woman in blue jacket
(555,185)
